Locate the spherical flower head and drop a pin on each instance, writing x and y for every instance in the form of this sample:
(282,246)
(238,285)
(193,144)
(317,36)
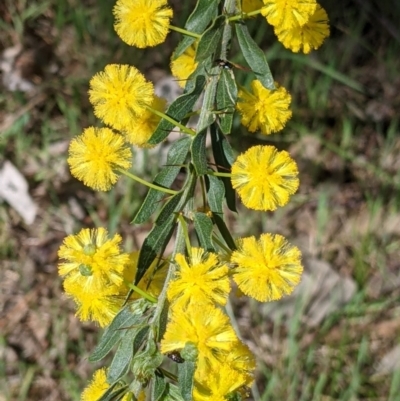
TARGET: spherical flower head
(268,268)
(216,385)
(97,387)
(264,177)
(100,306)
(287,14)
(93,259)
(141,129)
(120,93)
(264,109)
(142,23)
(96,155)
(307,37)
(200,278)
(184,65)
(205,326)
(251,5)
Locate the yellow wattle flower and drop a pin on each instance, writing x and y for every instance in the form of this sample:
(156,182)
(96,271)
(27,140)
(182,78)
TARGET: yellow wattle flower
(268,268)
(200,278)
(264,109)
(98,386)
(140,129)
(184,65)
(264,177)
(142,23)
(287,14)
(119,94)
(205,326)
(96,155)
(307,37)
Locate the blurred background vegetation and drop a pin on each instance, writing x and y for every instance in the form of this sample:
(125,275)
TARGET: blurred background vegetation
(344,135)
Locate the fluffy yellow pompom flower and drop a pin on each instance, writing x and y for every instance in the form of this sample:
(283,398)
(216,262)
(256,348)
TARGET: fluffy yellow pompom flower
(251,5)
(97,387)
(268,268)
(184,65)
(264,177)
(203,325)
(200,278)
(307,37)
(287,14)
(96,155)
(99,305)
(92,258)
(217,384)
(141,129)
(264,109)
(142,23)
(119,94)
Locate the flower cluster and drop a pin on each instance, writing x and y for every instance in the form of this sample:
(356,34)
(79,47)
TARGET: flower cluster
(177,306)
(95,273)
(300,25)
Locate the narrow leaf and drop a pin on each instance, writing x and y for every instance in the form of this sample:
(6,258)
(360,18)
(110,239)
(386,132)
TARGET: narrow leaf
(204,12)
(185,379)
(216,194)
(158,237)
(204,227)
(207,113)
(159,387)
(223,156)
(111,394)
(122,322)
(254,56)
(122,358)
(198,151)
(223,229)
(177,110)
(226,100)
(176,157)
(210,39)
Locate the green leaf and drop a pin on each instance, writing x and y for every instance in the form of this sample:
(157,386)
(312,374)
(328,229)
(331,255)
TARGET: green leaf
(177,110)
(204,227)
(159,387)
(202,15)
(223,156)
(198,151)
(122,358)
(226,100)
(216,193)
(173,393)
(185,379)
(223,229)
(163,228)
(210,40)
(158,237)
(176,157)
(112,395)
(207,113)
(254,56)
(118,328)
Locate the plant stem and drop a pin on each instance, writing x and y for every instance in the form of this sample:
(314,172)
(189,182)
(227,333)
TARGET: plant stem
(219,174)
(244,15)
(148,184)
(185,233)
(172,121)
(144,294)
(184,32)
